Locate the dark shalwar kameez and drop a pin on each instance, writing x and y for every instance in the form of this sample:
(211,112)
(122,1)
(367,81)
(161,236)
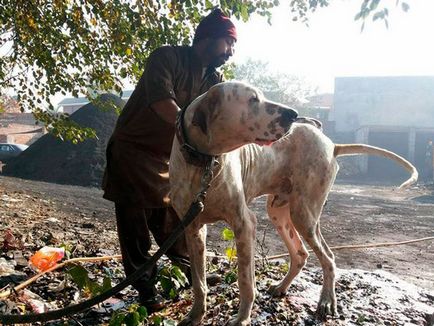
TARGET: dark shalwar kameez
(136,176)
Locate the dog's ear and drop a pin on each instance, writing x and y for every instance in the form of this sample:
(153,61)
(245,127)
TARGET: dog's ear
(207,108)
(200,116)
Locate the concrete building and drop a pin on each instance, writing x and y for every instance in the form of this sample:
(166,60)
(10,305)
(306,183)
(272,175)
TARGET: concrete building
(71,104)
(396,113)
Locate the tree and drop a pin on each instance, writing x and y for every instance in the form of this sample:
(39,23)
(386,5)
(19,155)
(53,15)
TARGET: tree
(9,105)
(71,46)
(280,87)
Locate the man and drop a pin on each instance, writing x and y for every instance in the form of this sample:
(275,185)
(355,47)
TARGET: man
(136,176)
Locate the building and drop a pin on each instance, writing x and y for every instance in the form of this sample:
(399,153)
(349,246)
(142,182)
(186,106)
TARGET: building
(18,127)
(396,113)
(71,104)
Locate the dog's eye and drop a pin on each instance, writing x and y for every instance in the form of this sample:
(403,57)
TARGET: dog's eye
(254,99)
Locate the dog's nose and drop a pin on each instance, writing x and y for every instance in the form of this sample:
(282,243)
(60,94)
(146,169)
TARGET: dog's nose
(288,116)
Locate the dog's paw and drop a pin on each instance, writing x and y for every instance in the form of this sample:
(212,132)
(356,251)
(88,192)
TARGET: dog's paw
(238,322)
(276,291)
(326,307)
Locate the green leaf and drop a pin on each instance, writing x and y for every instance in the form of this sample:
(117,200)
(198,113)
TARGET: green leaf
(132,319)
(231,253)
(227,234)
(79,275)
(117,319)
(166,284)
(143,312)
(106,284)
(179,275)
(230,277)
(157,320)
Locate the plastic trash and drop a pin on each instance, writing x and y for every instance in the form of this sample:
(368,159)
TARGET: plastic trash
(46,258)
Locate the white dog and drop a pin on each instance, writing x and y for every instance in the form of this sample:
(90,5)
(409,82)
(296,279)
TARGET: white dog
(297,172)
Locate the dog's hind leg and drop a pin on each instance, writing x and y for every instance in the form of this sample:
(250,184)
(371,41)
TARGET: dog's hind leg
(306,219)
(280,217)
(196,249)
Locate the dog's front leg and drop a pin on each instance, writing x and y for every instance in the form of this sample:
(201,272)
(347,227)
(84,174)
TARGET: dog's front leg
(245,234)
(196,236)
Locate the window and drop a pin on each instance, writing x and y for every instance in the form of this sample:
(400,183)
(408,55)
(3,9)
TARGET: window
(6,148)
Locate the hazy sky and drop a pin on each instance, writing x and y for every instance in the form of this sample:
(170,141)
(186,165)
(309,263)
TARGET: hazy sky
(333,45)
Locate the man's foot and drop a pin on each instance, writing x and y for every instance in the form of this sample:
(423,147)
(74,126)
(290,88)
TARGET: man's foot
(152,304)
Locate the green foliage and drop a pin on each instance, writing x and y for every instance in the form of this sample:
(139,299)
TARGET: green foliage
(73,46)
(135,315)
(158,320)
(228,234)
(231,277)
(280,87)
(68,248)
(80,276)
(231,254)
(51,47)
(171,279)
(370,8)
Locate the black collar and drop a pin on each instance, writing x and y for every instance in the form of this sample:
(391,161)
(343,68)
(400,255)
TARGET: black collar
(191,154)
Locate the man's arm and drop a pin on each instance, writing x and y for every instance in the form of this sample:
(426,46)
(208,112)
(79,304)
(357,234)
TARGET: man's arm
(166,109)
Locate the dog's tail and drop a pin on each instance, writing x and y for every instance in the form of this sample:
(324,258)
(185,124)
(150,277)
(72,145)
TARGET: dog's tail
(358,149)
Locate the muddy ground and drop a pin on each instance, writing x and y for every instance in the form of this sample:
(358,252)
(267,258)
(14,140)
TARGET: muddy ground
(41,214)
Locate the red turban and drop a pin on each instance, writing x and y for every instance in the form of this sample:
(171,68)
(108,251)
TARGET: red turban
(215,25)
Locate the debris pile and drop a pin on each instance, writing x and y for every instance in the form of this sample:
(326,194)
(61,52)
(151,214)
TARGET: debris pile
(50,159)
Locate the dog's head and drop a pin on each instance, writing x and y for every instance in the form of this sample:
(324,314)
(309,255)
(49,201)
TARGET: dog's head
(233,114)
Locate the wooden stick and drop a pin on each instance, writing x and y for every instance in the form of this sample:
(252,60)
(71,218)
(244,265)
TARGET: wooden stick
(359,246)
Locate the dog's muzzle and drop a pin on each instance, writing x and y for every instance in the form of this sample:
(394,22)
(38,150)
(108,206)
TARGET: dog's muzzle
(288,117)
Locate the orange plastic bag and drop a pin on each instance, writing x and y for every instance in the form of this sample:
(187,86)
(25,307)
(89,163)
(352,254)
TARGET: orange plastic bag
(46,257)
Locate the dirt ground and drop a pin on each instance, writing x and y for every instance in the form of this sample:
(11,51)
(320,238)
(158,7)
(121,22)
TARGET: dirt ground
(355,214)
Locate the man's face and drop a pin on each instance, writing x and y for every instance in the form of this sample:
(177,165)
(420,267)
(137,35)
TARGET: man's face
(220,50)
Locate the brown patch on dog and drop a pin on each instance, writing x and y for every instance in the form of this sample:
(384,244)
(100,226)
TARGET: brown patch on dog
(286,185)
(291,233)
(301,253)
(270,110)
(310,232)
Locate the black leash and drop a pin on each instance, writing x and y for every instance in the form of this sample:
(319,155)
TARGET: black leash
(195,209)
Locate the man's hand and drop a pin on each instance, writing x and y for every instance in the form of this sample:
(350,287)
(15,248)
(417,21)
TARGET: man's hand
(166,110)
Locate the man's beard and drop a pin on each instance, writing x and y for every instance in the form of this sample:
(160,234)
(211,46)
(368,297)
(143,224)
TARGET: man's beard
(220,60)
